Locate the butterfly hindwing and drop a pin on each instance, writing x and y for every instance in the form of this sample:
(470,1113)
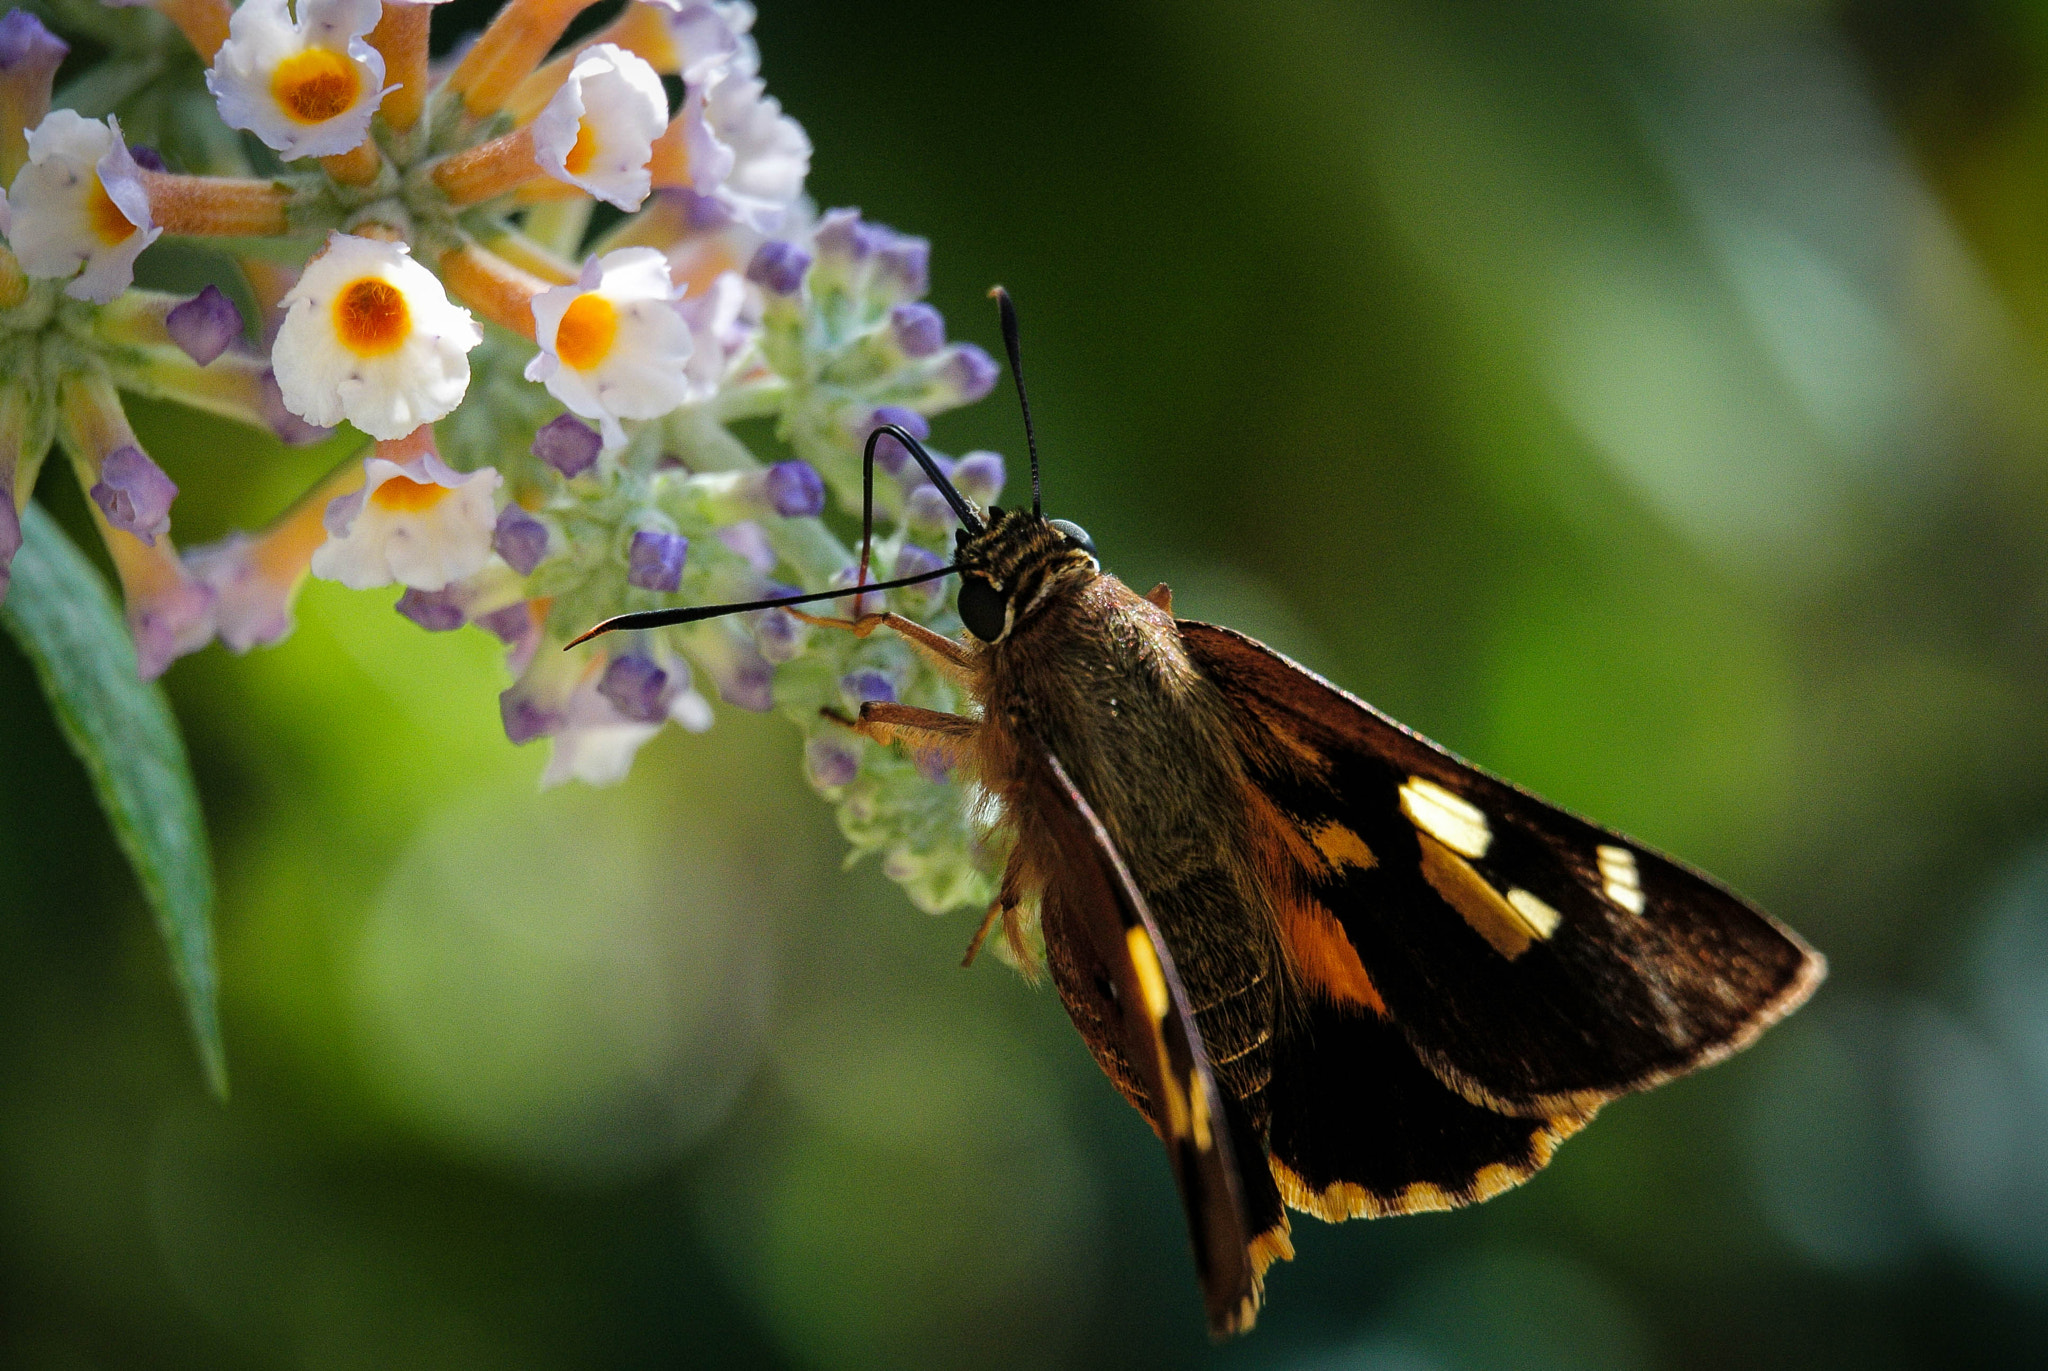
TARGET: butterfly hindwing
(1537,963)
(1117,977)
(1362,1129)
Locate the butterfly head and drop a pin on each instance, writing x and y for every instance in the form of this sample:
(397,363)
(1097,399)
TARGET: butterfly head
(1013,566)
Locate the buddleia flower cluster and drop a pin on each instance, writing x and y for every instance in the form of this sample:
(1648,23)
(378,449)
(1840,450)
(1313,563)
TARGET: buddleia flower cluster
(550,409)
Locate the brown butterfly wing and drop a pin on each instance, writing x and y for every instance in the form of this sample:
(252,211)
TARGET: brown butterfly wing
(1535,962)
(1116,975)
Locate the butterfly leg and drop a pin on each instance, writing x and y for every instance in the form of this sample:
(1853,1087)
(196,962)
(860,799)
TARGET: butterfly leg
(1007,907)
(954,659)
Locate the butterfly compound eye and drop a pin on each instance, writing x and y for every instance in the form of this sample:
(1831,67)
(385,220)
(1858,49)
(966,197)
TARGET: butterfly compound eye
(1077,533)
(984,609)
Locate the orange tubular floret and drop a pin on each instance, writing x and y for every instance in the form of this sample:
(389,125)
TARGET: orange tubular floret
(508,51)
(488,170)
(492,286)
(203,22)
(401,35)
(216,205)
(670,164)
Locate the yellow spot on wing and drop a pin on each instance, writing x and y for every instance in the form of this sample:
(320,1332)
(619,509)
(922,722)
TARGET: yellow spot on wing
(1341,847)
(1540,919)
(1200,1099)
(1492,917)
(1452,820)
(1150,978)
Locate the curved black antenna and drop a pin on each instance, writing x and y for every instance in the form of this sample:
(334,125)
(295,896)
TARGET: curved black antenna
(1009,312)
(662,618)
(971,521)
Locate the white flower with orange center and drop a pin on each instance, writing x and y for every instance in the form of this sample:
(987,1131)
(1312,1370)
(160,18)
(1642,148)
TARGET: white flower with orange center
(418,523)
(744,152)
(79,202)
(306,87)
(613,346)
(370,336)
(598,131)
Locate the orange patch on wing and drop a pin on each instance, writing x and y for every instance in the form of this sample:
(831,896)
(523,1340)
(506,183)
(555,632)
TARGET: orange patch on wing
(1316,945)
(1323,956)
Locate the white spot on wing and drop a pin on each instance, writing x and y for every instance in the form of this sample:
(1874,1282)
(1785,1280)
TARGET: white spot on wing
(1450,819)
(1618,874)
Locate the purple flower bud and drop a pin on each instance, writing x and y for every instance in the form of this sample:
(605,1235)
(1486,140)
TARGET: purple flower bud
(746,539)
(654,560)
(511,623)
(524,720)
(436,611)
(780,637)
(204,325)
(890,455)
(840,233)
(134,493)
(796,490)
(979,476)
(905,262)
(779,267)
(29,57)
(863,686)
(520,539)
(10,531)
(567,444)
(970,373)
(748,682)
(920,330)
(912,560)
(147,157)
(289,427)
(637,688)
(926,508)
(935,767)
(830,762)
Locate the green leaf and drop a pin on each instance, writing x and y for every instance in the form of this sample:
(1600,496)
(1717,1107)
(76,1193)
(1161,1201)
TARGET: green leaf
(60,610)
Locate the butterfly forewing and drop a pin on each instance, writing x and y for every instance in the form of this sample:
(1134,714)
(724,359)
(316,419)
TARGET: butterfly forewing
(1119,980)
(1536,962)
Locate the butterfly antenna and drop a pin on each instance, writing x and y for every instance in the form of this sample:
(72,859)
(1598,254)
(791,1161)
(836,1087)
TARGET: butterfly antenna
(693,614)
(965,512)
(1008,309)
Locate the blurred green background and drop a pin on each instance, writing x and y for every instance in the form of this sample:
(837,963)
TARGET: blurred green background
(1646,399)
